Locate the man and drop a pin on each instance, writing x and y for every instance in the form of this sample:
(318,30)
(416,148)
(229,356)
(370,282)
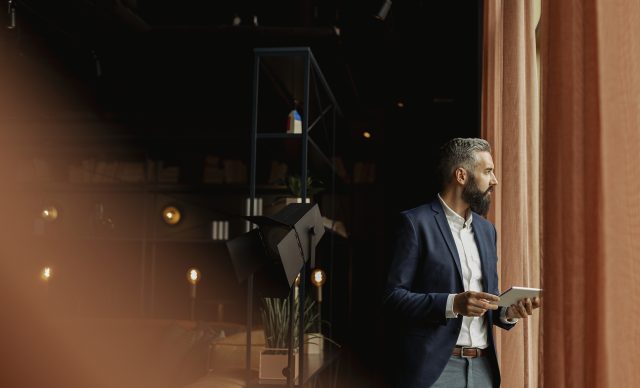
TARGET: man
(443,282)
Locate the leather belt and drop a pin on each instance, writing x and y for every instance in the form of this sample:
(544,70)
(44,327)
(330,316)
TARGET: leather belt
(468,352)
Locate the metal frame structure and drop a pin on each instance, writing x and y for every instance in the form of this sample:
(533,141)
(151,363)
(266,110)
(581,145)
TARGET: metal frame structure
(309,65)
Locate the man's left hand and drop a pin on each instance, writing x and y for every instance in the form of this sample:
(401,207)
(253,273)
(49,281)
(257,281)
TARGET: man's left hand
(523,308)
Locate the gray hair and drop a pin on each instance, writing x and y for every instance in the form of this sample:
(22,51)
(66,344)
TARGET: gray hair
(459,152)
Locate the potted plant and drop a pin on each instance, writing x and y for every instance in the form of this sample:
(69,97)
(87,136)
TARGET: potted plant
(275,319)
(294,183)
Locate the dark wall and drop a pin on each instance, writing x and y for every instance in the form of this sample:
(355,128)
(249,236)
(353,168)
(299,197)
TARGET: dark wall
(192,84)
(427,56)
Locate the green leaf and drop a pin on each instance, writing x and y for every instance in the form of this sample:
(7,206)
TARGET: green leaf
(275,320)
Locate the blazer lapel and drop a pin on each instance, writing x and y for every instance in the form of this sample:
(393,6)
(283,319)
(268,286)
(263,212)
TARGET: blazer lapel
(441,220)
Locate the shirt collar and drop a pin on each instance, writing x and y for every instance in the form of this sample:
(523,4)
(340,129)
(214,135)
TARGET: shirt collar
(454,218)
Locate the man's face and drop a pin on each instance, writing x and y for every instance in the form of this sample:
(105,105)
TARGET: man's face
(480,183)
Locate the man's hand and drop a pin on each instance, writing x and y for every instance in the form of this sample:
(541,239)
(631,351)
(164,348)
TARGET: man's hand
(474,303)
(523,308)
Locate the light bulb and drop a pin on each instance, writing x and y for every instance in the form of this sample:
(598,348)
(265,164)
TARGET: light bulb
(46,274)
(318,277)
(49,213)
(193,276)
(171,215)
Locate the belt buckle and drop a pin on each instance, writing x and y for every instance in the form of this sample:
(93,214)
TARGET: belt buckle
(462,352)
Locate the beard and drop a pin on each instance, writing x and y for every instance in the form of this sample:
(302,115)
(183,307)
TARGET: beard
(480,201)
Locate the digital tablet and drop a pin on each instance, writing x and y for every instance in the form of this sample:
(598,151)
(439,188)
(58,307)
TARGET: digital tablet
(514,294)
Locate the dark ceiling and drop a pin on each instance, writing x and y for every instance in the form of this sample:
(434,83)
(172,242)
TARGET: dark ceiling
(150,55)
(183,67)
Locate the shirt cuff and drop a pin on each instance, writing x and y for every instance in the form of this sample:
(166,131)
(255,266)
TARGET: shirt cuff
(503,317)
(449,314)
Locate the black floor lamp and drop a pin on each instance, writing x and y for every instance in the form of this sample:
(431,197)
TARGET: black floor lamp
(274,255)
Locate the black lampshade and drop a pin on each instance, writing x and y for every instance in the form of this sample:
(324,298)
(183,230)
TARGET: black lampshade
(303,217)
(277,250)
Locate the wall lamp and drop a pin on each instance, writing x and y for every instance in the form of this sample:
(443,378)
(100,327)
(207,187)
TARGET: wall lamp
(171,215)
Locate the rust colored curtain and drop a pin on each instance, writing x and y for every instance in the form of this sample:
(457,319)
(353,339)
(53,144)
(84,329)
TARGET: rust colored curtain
(591,140)
(511,124)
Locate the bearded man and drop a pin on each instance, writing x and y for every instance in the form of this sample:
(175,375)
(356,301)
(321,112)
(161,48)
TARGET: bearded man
(443,282)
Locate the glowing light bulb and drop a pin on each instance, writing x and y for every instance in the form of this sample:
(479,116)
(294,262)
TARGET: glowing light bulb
(46,274)
(49,213)
(318,277)
(193,276)
(171,215)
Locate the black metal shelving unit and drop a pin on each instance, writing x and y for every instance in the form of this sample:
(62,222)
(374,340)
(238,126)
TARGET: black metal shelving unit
(313,81)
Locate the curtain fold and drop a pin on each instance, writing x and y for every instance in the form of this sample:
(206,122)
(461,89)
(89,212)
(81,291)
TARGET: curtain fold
(510,122)
(591,138)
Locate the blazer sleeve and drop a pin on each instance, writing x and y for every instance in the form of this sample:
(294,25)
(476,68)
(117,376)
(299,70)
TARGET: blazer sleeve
(496,313)
(399,299)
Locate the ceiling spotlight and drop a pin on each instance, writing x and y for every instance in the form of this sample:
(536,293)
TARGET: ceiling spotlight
(171,215)
(46,274)
(384,10)
(366,134)
(49,213)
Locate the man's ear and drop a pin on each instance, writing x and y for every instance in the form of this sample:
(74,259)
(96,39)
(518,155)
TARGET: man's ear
(461,175)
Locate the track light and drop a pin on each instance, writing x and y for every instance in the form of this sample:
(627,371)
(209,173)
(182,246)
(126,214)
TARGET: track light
(384,10)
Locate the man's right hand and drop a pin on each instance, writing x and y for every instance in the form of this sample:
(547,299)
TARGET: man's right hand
(474,303)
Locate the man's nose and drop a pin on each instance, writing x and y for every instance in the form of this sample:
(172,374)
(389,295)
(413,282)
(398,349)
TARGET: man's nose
(494,180)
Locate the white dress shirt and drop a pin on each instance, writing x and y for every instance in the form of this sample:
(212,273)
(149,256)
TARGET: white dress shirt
(474,329)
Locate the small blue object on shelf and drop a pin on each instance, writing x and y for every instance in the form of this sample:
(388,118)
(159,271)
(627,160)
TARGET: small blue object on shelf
(294,122)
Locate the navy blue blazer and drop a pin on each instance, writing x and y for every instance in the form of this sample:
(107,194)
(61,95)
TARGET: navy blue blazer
(424,271)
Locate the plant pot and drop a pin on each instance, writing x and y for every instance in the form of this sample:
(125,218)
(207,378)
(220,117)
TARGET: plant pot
(313,343)
(274,363)
(281,203)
